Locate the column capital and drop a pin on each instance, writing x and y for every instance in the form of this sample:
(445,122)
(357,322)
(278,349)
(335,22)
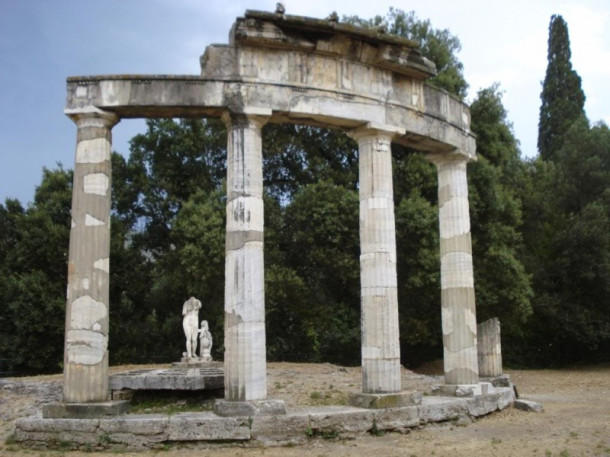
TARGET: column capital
(456,156)
(374,129)
(247,116)
(92,116)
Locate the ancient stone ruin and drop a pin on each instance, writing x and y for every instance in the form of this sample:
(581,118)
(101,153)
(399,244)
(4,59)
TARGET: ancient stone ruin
(279,68)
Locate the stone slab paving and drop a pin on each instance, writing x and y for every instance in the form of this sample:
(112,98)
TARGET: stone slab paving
(298,425)
(208,376)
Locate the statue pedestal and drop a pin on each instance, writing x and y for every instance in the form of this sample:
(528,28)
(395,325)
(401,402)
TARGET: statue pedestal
(269,407)
(196,362)
(84,410)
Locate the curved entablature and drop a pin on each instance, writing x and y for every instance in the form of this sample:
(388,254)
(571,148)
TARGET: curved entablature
(299,70)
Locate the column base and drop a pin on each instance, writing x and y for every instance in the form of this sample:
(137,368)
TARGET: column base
(389,400)
(84,410)
(463,390)
(502,380)
(227,408)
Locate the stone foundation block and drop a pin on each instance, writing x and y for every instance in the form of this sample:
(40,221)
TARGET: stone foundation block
(140,424)
(506,397)
(68,433)
(340,420)
(38,424)
(226,408)
(463,390)
(84,410)
(380,401)
(207,427)
(439,409)
(397,419)
(499,381)
(482,404)
(280,429)
(528,405)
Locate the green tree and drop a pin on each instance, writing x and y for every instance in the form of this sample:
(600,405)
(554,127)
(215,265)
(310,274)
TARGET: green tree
(567,208)
(502,284)
(562,97)
(322,249)
(438,45)
(33,275)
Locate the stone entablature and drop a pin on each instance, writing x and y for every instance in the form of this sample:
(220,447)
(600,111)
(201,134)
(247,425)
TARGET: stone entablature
(303,70)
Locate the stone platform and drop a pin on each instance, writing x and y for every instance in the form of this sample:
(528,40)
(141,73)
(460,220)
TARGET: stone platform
(208,375)
(297,426)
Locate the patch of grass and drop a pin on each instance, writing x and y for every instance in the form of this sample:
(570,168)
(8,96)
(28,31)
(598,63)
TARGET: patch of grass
(315,395)
(573,435)
(324,434)
(10,440)
(548,453)
(495,441)
(564,453)
(375,431)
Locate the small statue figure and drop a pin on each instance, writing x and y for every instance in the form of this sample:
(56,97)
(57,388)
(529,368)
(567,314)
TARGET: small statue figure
(190,323)
(205,342)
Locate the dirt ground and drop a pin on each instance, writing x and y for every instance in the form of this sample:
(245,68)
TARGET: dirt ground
(575,421)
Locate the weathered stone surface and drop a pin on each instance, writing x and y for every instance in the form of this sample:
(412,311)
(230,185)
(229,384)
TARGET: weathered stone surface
(84,410)
(380,334)
(39,424)
(269,407)
(457,277)
(506,396)
(490,348)
(483,404)
(439,409)
(137,431)
(341,420)
(85,370)
(399,419)
(290,428)
(207,427)
(245,356)
(463,390)
(498,381)
(382,401)
(196,378)
(70,432)
(137,424)
(528,405)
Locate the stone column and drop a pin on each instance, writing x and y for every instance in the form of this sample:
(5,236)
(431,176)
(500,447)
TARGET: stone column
(490,348)
(378,284)
(86,339)
(245,349)
(457,279)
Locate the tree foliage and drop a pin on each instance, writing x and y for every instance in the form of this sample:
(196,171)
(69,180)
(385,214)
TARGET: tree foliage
(562,97)
(33,274)
(438,45)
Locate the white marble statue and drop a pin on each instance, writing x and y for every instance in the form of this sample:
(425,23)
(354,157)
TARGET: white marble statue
(190,323)
(205,342)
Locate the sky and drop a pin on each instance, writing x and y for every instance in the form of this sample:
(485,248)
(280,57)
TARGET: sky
(42,42)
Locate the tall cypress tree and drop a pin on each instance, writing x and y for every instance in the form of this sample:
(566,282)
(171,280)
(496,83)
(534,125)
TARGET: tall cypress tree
(562,97)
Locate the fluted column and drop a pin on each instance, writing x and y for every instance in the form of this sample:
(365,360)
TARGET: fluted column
(245,349)
(457,279)
(379,300)
(86,339)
